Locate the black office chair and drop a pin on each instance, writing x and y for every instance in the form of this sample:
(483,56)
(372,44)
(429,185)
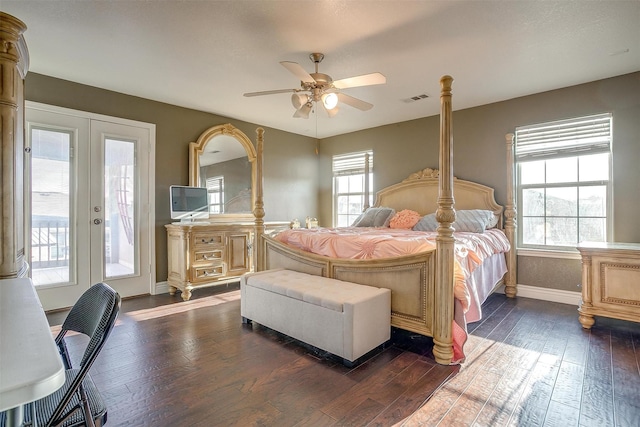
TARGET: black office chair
(78,402)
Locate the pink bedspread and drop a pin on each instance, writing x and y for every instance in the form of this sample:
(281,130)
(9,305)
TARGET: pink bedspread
(471,249)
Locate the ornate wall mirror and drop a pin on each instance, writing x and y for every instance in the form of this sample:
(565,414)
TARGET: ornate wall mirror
(223,160)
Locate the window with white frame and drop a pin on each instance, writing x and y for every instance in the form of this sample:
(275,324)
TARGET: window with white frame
(349,186)
(564,182)
(215,188)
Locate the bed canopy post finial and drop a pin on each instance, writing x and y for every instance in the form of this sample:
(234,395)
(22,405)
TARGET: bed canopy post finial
(446,216)
(510,221)
(366,182)
(258,210)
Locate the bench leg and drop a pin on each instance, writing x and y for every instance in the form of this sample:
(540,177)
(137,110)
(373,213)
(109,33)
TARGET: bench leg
(246,321)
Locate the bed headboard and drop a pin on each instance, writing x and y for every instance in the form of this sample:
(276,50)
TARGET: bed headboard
(419,192)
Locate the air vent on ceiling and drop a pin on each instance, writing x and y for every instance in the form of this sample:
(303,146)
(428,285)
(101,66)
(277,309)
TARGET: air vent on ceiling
(416,98)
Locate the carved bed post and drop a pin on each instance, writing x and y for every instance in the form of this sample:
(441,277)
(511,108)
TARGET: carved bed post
(258,210)
(446,216)
(510,222)
(366,182)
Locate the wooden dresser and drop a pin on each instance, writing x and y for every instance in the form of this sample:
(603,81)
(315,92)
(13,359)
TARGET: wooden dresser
(207,253)
(610,282)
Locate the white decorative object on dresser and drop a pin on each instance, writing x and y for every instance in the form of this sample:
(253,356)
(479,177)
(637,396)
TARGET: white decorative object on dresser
(610,281)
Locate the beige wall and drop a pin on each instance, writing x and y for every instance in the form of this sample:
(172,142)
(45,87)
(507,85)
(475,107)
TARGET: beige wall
(479,155)
(290,165)
(298,183)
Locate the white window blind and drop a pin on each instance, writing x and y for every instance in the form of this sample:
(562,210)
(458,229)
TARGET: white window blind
(215,184)
(352,163)
(584,135)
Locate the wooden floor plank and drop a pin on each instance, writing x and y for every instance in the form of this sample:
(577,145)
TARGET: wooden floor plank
(529,363)
(597,392)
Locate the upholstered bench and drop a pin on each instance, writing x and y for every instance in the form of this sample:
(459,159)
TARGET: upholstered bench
(342,318)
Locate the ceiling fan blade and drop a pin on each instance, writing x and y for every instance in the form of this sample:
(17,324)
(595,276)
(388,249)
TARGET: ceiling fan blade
(295,69)
(354,102)
(363,80)
(269,92)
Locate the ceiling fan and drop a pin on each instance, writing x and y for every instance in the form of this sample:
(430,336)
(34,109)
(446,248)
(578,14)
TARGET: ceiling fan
(321,88)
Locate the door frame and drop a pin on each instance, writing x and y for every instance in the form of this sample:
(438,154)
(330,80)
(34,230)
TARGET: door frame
(152,286)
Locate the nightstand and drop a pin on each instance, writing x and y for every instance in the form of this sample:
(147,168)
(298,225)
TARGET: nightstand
(610,282)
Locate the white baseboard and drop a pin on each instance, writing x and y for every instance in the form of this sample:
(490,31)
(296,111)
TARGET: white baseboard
(161,288)
(547,294)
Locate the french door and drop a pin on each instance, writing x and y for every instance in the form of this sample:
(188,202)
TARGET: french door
(89,193)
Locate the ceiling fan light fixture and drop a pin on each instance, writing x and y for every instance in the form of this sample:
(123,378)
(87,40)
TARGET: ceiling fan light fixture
(303,112)
(333,111)
(330,100)
(298,100)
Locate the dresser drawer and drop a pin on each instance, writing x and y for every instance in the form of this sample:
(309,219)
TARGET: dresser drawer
(208,255)
(207,273)
(208,240)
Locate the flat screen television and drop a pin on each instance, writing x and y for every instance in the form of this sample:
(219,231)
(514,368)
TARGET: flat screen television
(189,203)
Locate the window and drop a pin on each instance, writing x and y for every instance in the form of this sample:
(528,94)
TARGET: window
(563,182)
(349,186)
(215,187)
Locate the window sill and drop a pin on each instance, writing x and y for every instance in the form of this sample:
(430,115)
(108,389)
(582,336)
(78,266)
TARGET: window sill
(542,253)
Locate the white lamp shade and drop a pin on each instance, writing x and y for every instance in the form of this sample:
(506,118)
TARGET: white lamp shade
(299,99)
(333,111)
(303,112)
(330,100)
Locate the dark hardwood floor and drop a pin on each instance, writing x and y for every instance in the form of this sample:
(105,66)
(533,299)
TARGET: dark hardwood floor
(529,363)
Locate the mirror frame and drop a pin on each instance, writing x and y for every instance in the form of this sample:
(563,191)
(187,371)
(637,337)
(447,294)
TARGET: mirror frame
(198,147)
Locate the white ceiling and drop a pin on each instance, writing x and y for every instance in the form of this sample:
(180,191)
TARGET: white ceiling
(206,54)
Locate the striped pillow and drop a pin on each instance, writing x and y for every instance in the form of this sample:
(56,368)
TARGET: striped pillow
(374,217)
(472,220)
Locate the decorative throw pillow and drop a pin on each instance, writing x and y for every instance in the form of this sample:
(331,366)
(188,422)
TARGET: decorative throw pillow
(374,217)
(427,223)
(472,220)
(405,219)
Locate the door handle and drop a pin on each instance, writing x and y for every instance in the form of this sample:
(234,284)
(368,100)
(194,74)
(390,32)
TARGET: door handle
(97,221)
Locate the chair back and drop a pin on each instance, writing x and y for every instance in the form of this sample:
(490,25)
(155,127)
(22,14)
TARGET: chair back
(94,315)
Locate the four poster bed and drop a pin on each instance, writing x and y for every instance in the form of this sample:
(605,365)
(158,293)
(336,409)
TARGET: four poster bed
(438,279)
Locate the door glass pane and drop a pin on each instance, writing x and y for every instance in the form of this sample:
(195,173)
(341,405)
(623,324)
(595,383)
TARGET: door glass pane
(119,208)
(51,201)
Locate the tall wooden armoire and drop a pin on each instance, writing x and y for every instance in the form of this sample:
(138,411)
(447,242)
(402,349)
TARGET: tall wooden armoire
(14,62)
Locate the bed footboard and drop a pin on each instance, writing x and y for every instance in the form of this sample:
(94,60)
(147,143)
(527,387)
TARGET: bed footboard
(410,279)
